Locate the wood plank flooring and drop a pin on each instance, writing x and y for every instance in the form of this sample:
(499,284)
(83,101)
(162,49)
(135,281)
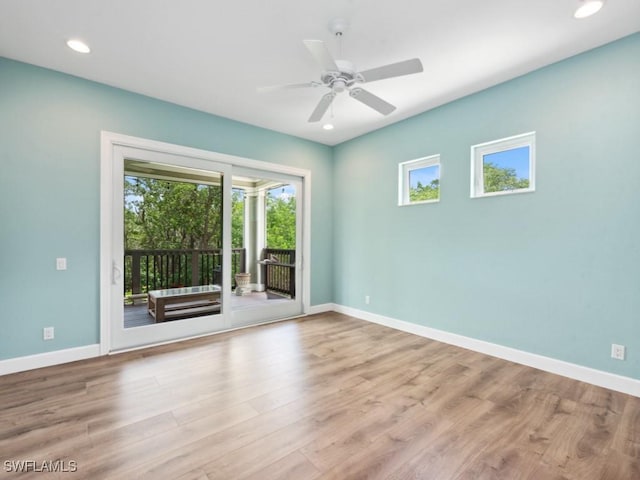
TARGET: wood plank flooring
(327,397)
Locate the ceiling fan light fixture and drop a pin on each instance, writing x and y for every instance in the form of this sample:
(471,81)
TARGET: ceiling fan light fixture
(78,46)
(586,8)
(328,126)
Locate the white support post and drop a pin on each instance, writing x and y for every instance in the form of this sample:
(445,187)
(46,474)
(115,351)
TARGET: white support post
(261,231)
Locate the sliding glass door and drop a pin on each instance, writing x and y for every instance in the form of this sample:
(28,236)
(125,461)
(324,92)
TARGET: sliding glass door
(198,246)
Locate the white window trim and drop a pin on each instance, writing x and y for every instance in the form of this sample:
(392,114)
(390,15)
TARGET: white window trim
(405,168)
(509,143)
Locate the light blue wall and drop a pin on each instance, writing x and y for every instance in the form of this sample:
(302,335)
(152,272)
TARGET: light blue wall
(555,272)
(50,127)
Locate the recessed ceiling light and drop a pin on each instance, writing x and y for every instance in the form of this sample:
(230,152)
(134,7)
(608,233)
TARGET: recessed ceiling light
(78,46)
(328,126)
(588,8)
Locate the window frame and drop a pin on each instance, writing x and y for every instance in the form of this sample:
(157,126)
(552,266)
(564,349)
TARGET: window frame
(496,146)
(404,170)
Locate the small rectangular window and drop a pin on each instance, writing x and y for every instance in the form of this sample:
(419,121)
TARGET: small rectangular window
(503,166)
(419,181)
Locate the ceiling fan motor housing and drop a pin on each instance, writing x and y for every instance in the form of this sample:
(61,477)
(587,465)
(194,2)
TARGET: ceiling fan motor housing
(342,79)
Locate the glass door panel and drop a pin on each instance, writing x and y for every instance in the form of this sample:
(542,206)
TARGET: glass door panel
(266,227)
(171,241)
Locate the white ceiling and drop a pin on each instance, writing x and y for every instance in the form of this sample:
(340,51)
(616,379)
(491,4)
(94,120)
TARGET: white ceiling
(211,55)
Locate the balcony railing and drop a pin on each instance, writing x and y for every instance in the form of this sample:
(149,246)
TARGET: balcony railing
(158,269)
(146,270)
(279,271)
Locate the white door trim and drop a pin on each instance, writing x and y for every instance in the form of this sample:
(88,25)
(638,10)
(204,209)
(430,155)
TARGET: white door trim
(109,141)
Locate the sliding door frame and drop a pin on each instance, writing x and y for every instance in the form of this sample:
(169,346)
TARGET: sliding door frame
(111,143)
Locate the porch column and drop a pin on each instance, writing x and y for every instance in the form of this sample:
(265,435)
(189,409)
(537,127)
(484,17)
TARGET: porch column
(254,233)
(261,235)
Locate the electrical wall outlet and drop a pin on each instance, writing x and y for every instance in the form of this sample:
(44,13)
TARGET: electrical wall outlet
(617,351)
(61,263)
(48,333)
(367,299)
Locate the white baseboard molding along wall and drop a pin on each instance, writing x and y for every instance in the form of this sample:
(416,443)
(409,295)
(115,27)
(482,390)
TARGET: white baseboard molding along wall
(323,308)
(48,359)
(577,372)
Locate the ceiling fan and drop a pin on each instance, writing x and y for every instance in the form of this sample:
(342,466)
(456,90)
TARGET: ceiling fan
(341,75)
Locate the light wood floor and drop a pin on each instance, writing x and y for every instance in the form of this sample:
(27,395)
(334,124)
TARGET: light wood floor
(326,397)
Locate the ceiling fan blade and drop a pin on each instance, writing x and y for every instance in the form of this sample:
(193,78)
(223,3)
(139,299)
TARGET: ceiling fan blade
(320,52)
(373,101)
(406,67)
(322,107)
(290,86)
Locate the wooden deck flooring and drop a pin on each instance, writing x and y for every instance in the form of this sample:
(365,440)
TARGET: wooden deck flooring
(138,316)
(327,397)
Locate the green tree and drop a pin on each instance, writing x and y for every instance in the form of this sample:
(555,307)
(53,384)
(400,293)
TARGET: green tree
(178,215)
(498,179)
(281,222)
(237,219)
(161,214)
(172,215)
(421,192)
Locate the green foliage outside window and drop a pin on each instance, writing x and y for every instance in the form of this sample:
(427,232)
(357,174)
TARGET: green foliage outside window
(160,214)
(237,219)
(281,222)
(498,179)
(420,192)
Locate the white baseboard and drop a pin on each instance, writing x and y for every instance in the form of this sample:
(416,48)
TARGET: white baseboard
(600,378)
(29,362)
(322,308)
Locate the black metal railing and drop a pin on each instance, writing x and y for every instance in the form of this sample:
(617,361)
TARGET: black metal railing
(146,270)
(279,270)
